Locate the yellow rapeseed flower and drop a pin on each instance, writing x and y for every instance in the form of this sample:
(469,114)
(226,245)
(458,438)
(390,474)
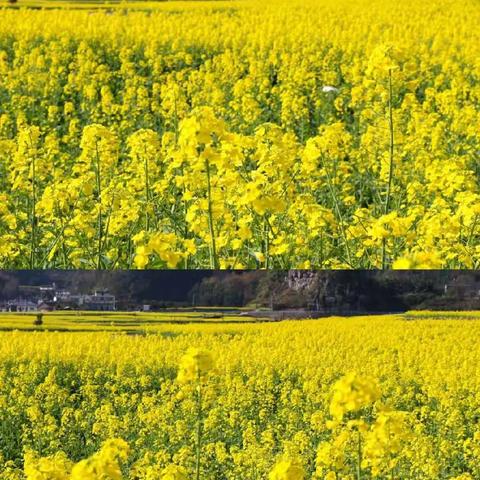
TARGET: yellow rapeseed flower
(194,365)
(287,469)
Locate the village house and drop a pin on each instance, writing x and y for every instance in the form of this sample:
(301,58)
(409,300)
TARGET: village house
(49,297)
(19,305)
(101,300)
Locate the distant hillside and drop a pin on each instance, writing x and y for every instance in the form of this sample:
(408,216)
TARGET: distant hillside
(340,291)
(343,291)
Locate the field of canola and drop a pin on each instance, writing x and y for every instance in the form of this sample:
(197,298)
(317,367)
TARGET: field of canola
(359,398)
(128,322)
(276,134)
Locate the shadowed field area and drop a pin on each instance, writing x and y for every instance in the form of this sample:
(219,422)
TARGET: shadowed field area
(118,4)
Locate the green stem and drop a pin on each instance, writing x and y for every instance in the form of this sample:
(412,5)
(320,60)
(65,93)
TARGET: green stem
(33,220)
(267,244)
(199,429)
(359,456)
(175,115)
(339,213)
(147,192)
(64,253)
(130,244)
(391,164)
(99,199)
(321,250)
(213,248)
(184,219)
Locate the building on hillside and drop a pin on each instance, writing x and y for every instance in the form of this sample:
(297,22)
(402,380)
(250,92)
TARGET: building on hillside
(19,305)
(101,300)
(464,285)
(49,297)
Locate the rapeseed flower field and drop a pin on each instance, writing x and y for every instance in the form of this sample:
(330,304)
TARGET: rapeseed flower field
(129,322)
(300,134)
(376,397)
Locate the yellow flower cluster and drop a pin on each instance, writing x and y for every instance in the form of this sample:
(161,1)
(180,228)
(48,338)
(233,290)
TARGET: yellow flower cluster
(281,402)
(287,470)
(194,365)
(103,465)
(377,445)
(352,393)
(308,133)
(172,472)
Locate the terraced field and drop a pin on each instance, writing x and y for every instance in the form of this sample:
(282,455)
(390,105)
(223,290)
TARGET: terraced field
(130,322)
